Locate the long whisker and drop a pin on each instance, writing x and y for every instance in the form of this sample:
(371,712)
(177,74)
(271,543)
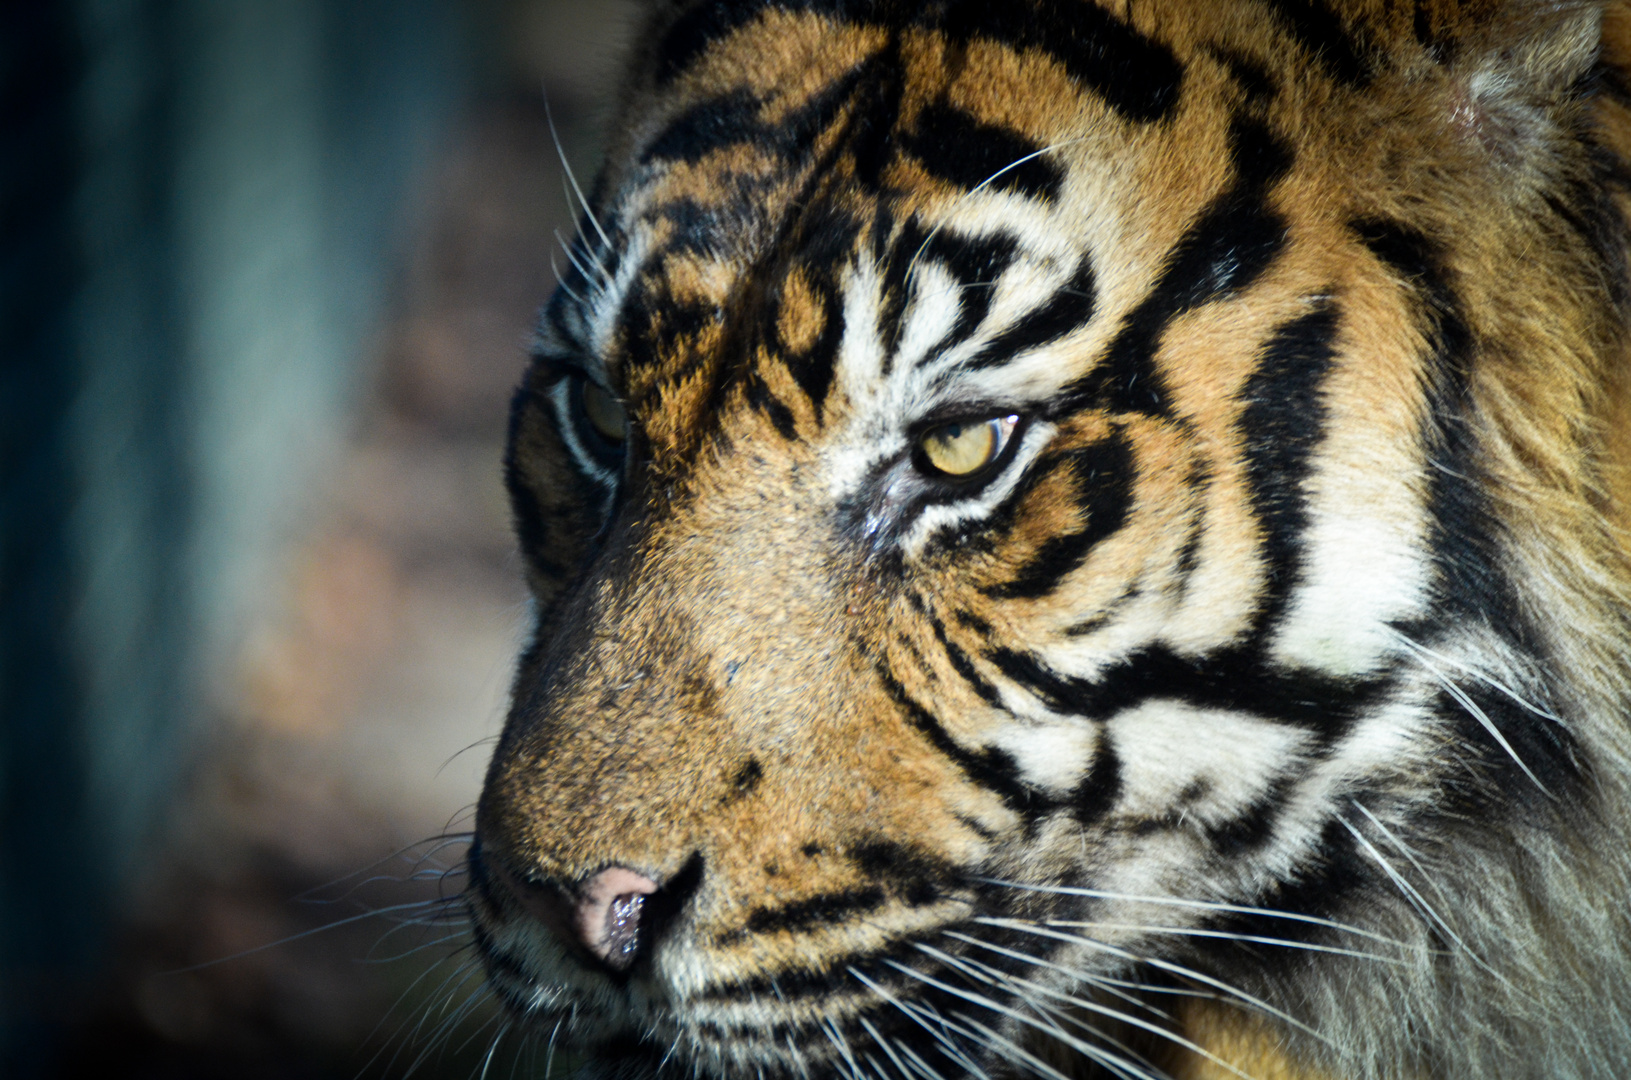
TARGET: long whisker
(1482,676)
(572,177)
(1024,989)
(1420,902)
(598,283)
(841,1044)
(560,283)
(1225,935)
(913,1012)
(1081,1046)
(1200,905)
(1401,846)
(498,1037)
(1092,1006)
(403,996)
(1472,709)
(1163,965)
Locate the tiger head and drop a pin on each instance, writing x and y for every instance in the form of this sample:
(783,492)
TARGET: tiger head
(1079,536)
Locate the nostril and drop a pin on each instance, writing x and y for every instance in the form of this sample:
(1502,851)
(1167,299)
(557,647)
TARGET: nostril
(612,917)
(608,915)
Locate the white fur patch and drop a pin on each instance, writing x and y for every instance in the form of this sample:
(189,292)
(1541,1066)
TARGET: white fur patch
(1053,756)
(1209,762)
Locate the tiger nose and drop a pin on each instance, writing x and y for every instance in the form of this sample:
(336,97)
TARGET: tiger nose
(607,916)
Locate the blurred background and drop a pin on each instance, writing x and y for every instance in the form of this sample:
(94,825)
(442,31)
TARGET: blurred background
(267,271)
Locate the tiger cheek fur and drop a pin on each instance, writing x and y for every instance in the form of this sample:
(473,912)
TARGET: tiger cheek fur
(1078,540)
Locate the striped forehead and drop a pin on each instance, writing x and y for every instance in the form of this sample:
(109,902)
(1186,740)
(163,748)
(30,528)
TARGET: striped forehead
(904,184)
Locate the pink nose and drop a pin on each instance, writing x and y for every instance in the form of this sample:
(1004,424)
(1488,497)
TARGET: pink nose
(607,917)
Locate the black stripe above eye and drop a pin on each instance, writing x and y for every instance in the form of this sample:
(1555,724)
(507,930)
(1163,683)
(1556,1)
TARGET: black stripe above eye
(1069,310)
(1135,75)
(954,146)
(1228,247)
(705,127)
(690,35)
(1324,38)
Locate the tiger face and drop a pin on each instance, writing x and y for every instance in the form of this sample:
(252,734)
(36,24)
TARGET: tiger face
(1078,539)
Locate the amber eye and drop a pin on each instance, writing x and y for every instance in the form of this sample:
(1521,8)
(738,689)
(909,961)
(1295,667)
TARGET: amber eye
(604,413)
(963,448)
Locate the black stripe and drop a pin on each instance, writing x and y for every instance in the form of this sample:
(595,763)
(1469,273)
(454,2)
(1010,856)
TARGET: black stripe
(1104,474)
(1252,77)
(709,125)
(912,874)
(1101,618)
(733,118)
(1069,309)
(1250,829)
(1547,749)
(1223,252)
(1321,34)
(1463,533)
(956,147)
(973,262)
(1101,788)
(1438,44)
(990,768)
(704,24)
(813,368)
(964,667)
(1282,424)
(1061,693)
(823,909)
(973,622)
(527,513)
(1239,679)
(761,397)
(1135,75)
(871,140)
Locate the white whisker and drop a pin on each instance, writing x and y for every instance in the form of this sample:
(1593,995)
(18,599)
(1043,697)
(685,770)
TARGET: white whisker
(1164,965)
(912,1012)
(1105,1010)
(911,267)
(1081,1046)
(1023,987)
(1224,935)
(1201,905)
(560,283)
(573,179)
(1418,901)
(1471,707)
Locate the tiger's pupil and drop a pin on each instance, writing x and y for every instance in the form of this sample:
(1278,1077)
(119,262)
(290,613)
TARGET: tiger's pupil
(605,415)
(964,448)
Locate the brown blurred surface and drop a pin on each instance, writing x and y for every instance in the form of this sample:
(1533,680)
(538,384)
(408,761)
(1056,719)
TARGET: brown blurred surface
(357,723)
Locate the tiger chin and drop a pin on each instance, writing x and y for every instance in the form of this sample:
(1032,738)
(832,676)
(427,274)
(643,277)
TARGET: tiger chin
(1081,539)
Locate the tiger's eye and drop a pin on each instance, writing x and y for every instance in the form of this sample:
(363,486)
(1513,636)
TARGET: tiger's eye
(967,446)
(605,415)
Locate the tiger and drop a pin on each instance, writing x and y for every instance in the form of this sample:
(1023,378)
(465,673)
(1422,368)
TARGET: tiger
(1080,538)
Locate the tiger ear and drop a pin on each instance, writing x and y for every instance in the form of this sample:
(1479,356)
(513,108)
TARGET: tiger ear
(1537,48)
(1511,64)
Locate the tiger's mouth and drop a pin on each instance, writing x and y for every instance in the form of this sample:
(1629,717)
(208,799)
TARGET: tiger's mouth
(1001,974)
